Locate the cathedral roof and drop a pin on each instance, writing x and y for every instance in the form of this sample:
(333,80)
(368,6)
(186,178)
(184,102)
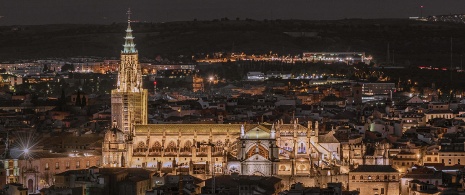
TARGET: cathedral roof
(327,138)
(215,128)
(190,128)
(374,168)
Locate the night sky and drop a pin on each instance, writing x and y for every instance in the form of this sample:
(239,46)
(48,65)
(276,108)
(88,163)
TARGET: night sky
(22,12)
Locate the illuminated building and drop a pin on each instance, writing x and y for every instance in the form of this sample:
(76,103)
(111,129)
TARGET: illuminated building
(248,149)
(330,57)
(129,99)
(374,179)
(197,83)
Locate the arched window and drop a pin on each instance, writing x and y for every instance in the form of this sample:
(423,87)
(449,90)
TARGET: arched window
(156,146)
(187,146)
(140,146)
(218,146)
(302,148)
(262,151)
(171,147)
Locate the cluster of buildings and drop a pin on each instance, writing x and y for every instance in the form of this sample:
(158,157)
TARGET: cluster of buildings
(334,137)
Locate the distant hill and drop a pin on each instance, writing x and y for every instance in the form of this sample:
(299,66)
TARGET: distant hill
(411,42)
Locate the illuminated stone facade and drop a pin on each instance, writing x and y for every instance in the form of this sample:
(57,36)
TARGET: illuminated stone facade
(248,149)
(129,99)
(374,179)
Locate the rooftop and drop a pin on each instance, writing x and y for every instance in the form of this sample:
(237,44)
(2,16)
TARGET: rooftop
(374,168)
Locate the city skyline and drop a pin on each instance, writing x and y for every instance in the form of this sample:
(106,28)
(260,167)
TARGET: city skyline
(105,12)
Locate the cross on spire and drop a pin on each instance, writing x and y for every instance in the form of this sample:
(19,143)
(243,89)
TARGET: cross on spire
(129,14)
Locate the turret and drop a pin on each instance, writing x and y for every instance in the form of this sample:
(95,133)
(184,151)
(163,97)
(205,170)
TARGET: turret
(273,132)
(242,131)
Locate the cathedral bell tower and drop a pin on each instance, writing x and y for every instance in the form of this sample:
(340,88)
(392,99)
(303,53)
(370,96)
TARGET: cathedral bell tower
(129,99)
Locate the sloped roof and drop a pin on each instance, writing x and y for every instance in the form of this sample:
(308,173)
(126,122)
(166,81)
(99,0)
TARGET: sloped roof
(327,138)
(374,168)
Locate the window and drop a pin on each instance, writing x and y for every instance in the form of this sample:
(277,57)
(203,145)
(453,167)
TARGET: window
(88,164)
(369,177)
(78,164)
(353,177)
(67,165)
(361,177)
(450,161)
(393,177)
(458,161)
(57,165)
(46,166)
(382,190)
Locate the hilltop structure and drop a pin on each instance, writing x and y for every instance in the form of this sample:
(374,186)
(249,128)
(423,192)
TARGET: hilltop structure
(248,149)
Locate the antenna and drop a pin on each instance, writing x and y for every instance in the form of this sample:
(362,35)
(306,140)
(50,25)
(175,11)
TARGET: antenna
(129,14)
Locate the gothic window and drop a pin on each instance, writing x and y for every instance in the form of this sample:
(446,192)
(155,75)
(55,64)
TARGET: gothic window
(157,145)
(287,147)
(262,151)
(140,146)
(218,146)
(171,147)
(301,149)
(187,146)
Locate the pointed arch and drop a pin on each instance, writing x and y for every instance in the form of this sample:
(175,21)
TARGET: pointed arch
(219,146)
(187,146)
(301,148)
(262,151)
(171,147)
(140,148)
(157,144)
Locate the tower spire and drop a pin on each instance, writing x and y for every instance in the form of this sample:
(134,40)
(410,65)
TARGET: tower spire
(129,46)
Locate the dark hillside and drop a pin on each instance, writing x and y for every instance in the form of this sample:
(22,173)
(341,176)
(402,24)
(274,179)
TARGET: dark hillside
(411,42)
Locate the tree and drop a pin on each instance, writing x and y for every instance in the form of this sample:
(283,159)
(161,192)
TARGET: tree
(67,67)
(78,98)
(84,101)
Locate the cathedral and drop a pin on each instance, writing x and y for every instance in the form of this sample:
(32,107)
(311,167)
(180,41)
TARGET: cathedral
(205,149)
